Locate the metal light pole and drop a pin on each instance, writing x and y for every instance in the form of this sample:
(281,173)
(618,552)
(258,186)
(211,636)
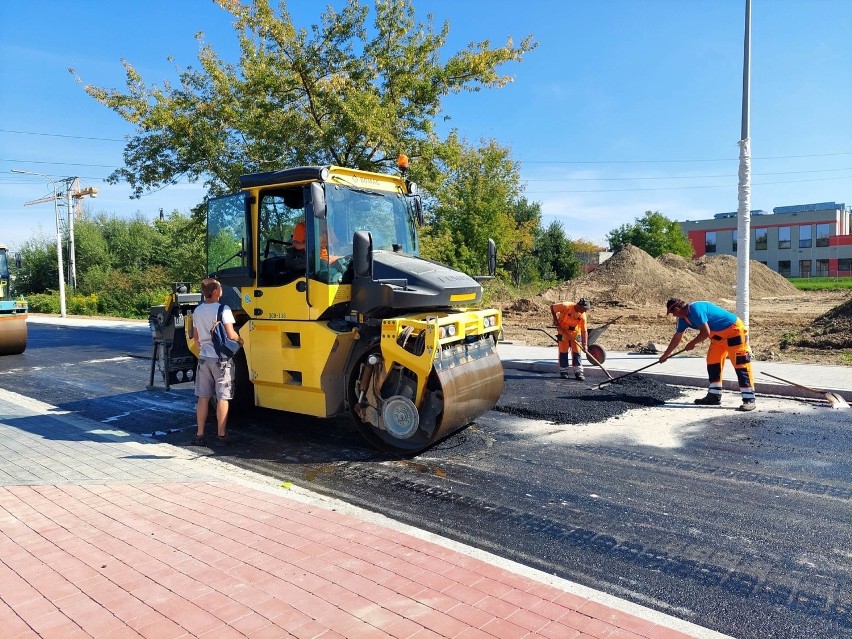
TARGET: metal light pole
(744,191)
(58,237)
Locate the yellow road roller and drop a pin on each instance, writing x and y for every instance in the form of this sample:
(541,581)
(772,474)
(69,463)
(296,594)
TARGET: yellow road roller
(340,314)
(13,313)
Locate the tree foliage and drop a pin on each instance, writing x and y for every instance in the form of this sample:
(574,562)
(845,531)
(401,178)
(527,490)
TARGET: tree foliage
(554,256)
(124,266)
(654,233)
(583,245)
(519,260)
(338,92)
(39,269)
(479,187)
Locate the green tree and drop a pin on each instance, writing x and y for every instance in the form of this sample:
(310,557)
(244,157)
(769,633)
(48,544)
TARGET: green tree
(38,272)
(180,248)
(583,245)
(479,187)
(654,233)
(338,92)
(91,247)
(553,253)
(123,265)
(519,259)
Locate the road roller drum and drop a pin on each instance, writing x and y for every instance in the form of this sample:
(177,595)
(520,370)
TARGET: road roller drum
(13,312)
(13,333)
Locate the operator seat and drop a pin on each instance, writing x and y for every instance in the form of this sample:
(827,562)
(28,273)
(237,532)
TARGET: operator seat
(273,271)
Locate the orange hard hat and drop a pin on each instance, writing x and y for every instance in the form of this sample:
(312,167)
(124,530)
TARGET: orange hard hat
(299,232)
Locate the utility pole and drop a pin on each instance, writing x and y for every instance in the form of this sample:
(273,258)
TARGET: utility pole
(744,191)
(55,199)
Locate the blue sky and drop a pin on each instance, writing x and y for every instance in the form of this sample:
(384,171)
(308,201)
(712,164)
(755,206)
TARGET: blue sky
(625,106)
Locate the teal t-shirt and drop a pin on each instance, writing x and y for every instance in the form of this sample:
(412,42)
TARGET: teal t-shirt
(718,319)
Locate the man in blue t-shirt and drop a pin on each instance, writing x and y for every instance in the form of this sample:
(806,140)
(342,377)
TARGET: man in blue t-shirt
(729,339)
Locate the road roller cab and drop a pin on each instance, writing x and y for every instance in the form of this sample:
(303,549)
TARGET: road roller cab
(354,321)
(13,313)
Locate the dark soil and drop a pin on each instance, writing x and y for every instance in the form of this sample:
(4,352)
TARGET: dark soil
(831,330)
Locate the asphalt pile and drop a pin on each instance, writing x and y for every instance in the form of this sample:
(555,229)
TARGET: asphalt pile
(569,401)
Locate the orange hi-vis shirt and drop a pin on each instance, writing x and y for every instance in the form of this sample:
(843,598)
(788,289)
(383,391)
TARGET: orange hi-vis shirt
(570,317)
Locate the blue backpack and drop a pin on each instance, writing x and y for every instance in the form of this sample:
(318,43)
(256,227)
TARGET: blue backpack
(224,346)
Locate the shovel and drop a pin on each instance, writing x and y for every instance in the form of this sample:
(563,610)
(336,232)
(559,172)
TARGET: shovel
(638,370)
(835,400)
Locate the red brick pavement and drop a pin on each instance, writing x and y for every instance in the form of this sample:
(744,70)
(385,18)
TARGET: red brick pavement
(222,560)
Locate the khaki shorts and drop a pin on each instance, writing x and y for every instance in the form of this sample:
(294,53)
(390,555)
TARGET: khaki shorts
(215,378)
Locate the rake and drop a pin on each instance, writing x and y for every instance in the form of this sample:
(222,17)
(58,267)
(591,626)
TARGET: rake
(835,400)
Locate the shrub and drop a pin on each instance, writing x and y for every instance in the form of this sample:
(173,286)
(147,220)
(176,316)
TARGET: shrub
(43,302)
(83,304)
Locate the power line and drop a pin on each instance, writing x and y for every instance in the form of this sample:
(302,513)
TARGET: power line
(731,159)
(100,166)
(675,177)
(62,135)
(684,188)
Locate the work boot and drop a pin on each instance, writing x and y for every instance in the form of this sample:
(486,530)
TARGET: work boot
(580,376)
(710,400)
(747,405)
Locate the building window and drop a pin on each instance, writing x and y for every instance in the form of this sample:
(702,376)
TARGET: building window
(710,242)
(804,237)
(784,268)
(822,268)
(734,241)
(783,237)
(822,233)
(844,266)
(804,268)
(760,239)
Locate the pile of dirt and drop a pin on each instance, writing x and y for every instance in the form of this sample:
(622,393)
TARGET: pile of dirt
(525,305)
(632,278)
(831,330)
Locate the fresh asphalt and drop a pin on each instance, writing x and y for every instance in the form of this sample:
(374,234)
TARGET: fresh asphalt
(592,512)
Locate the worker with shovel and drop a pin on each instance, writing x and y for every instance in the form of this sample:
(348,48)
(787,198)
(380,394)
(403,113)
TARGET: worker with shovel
(729,338)
(570,320)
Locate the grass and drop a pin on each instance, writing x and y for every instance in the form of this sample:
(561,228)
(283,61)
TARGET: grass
(822,283)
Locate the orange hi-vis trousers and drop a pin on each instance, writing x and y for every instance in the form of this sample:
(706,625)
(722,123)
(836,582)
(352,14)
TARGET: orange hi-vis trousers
(731,343)
(568,343)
